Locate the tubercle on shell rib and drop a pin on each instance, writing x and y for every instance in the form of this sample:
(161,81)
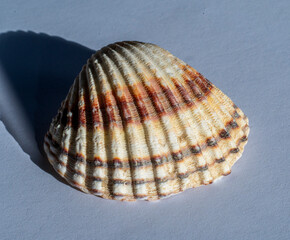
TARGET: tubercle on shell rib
(139,123)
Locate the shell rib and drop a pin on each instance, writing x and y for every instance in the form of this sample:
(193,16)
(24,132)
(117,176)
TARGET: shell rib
(139,123)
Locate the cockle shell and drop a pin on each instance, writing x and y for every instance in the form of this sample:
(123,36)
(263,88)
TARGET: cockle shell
(139,123)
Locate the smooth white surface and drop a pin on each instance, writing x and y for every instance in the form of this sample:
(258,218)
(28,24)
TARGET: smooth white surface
(241,46)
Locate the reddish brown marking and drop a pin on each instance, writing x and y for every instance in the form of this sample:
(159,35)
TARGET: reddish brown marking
(224,134)
(111,116)
(96,117)
(177,156)
(220,160)
(173,101)
(207,84)
(59,162)
(211,142)
(107,112)
(210,182)
(75,184)
(92,178)
(96,191)
(243,139)
(127,114)
(233,124)
(82,109)
(117,161)
(96,113)
(97,161)
(234,150)
(184,93)
(196,149)
(143,102)
(82,116)
(160,100)
(65,150)
(201,85)
(196,79)
(158,103)
(128,111)
(227,173)
(160,180)
(143,109)
(197,93)
(191,74)
(80,157)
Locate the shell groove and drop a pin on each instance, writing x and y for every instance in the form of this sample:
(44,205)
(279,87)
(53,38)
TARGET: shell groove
(139,123)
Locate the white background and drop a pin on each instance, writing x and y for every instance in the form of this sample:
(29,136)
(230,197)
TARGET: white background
(241,46)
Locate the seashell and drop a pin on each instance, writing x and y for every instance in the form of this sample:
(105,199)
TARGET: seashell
(139,123)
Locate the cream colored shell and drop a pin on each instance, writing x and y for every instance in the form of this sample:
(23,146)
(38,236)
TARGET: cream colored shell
(139,123)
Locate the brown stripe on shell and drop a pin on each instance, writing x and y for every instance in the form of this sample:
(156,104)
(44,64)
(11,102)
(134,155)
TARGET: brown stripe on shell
(159,180)
(230,125)
(144,114)
(195,81)
(193,149)
(184,93)
(156,160)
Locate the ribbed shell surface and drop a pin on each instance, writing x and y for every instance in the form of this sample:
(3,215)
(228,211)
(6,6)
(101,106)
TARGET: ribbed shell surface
(139,123)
